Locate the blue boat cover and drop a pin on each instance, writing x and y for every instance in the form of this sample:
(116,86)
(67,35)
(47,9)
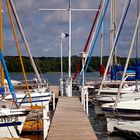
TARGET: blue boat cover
(137,70)
(133,71)
(2,90)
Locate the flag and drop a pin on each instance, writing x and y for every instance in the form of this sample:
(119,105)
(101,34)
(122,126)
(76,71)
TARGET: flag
(63,35)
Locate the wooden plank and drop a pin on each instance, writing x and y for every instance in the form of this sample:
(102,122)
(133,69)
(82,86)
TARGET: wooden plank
(70,121)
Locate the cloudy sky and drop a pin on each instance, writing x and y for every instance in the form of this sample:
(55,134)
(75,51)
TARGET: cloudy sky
(43,28)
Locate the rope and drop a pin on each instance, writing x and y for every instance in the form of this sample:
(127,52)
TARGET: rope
(18,48)
(28,33)
(96,37)
(89,36)
(115,41)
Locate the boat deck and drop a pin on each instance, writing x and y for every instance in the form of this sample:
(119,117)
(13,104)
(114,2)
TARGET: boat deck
(70,121)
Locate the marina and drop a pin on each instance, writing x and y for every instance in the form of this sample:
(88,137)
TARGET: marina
(82,80)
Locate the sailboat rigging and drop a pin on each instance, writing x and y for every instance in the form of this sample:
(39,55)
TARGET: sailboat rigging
(24,39)
(124,114)
(18,48)
(87,42)
(115,41)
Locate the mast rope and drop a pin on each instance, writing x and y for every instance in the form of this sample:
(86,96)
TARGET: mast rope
(124,13)
(96,37)
(27,29)
(87,42)
(18,48)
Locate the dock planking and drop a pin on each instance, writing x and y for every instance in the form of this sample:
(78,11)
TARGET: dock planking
(70,121)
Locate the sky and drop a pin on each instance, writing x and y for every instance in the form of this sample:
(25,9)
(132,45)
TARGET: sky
(43,28)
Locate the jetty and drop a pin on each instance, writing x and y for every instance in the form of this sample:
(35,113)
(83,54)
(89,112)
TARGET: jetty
(70,122)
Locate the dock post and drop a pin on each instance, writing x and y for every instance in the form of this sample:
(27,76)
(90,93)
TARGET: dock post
(46,121)
(61,87)
(53,101)
(84,96)
(83,55)
(87,103)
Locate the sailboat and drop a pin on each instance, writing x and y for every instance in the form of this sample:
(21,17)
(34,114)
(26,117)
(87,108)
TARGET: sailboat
(11,118)
(38,99)
(109,94)
(124,115)
(11,122)
(39,94)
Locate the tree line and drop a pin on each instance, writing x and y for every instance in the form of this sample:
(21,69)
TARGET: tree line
(53,64)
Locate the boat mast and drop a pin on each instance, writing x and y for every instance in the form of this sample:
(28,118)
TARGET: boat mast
(111,30)
(18,49)
(126,7)
(115,24)
(12,91)
(96,35)
(70,22)
(88,39)
(102,44)
(24,39)
(137,43)
(127,61)
(1,43)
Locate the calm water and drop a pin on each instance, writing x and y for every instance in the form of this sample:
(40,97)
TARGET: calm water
(53,78)
(98,123)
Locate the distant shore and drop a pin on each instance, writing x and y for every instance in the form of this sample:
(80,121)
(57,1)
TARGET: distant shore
(52,64)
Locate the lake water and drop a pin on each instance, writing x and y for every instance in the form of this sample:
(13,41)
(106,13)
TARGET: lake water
(53,78)
(98,123)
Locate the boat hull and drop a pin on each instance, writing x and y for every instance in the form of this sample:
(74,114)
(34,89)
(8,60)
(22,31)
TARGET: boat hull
(39,99)
(11,122)
(128,126)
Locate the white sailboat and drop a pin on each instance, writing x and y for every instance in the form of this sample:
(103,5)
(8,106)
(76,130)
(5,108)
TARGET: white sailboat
(38,98)
(124,115)
(11,122)
(40,93)
(11,119)
(109,94)
(127,92)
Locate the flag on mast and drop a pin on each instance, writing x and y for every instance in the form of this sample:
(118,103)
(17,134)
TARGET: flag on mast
(63,35)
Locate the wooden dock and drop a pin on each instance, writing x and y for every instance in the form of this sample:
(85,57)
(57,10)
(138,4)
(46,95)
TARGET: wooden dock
(70,121)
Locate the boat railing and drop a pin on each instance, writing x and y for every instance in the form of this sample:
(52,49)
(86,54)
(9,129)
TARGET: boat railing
(33,84)
(129,75)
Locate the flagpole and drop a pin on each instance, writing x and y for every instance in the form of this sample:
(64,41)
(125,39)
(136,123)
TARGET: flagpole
(61,80)
(62,36)
(69,80)
(69,69)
